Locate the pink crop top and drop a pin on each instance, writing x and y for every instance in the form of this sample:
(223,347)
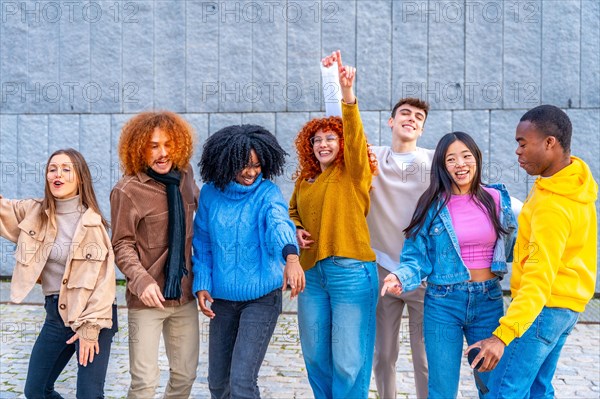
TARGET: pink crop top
(474,230)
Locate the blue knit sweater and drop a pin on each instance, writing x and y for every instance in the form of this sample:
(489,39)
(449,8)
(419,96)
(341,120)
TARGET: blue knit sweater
(239,235)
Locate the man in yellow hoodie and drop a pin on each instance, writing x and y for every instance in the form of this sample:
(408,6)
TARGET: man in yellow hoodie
(555,261)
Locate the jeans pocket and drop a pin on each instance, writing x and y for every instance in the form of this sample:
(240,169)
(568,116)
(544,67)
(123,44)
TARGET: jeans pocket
(437,291)
(270,299)
(495,293)
(553,322)
(348,263)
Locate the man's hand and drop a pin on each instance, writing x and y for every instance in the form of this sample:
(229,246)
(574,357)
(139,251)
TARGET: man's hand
(293,274)
(303,238)
(391,284)
(491,349)
(346,74)
(152,297)
(204,296)
(87,349)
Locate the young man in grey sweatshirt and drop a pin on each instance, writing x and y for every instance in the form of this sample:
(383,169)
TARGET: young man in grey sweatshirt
(403,176)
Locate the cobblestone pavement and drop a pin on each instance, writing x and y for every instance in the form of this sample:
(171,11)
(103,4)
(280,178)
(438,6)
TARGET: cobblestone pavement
(283,374)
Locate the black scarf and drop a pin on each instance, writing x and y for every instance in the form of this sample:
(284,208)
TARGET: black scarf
(175,266)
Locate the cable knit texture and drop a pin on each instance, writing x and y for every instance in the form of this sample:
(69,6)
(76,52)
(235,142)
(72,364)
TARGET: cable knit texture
(239,235)
(333,208)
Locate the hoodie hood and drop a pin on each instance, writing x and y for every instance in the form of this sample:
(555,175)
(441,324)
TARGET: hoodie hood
(574,182)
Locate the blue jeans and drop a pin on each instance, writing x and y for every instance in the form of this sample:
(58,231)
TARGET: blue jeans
(527,367)
(51,354)
(336,318)
(239,336)
(470,310)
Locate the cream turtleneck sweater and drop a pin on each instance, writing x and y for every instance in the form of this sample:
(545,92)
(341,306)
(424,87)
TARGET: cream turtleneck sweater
(68,215)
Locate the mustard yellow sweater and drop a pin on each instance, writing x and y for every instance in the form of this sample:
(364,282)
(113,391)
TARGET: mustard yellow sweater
(333,208)
(555,257)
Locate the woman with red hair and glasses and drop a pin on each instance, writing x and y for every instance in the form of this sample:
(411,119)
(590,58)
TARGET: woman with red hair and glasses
(336,311)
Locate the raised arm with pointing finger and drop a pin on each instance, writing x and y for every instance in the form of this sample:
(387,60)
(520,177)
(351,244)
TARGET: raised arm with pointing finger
(330,202)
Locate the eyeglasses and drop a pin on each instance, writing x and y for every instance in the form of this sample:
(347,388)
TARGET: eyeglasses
(317,140)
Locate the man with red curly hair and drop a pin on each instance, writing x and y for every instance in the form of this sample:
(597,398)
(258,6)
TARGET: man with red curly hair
(152,209)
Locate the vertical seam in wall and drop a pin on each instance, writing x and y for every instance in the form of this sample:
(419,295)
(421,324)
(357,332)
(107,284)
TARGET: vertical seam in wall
(121,100)
(18,147)
(27,109)
(287,46)
(502,72)
(489,143)
(218,68)
(91,62)
(153,5)
(391,78)
(464,101)
(79,132)
(321,54)
(541,51)
(427,40)
(580,51)
(252,104)
(58,62)
(185,53)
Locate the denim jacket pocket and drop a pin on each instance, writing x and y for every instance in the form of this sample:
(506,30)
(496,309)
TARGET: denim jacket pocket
(436,229)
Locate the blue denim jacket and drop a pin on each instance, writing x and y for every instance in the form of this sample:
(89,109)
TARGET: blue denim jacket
(434,253)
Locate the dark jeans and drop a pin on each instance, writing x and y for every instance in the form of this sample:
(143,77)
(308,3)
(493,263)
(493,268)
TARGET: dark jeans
(239,336)
(51,354)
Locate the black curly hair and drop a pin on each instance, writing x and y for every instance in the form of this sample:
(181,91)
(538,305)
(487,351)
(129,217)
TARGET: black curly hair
(227,152)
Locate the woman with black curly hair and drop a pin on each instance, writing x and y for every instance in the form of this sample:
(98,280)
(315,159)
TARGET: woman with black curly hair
(336,312)
(242,236)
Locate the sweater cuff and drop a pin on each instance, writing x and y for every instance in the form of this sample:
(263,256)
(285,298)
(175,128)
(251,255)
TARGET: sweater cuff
(89,332)
(289,249)
(504,334)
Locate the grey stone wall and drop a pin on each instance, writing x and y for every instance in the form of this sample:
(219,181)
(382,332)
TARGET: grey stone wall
(72,72)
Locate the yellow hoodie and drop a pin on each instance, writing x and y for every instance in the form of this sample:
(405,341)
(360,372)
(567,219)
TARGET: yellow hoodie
(555,257)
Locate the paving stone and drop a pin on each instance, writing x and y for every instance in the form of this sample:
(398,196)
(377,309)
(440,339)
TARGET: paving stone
(283,374)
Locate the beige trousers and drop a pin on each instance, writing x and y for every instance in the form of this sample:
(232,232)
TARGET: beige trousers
(179,327)
(387,344)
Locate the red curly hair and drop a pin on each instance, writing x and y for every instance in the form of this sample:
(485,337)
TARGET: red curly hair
(136,135)
(308,165)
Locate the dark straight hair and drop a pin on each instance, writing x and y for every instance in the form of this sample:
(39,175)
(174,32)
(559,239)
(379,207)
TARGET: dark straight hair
(440,187)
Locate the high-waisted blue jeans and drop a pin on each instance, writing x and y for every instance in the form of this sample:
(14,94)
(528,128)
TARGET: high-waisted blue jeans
(336,318)
(469,310)
(51,354)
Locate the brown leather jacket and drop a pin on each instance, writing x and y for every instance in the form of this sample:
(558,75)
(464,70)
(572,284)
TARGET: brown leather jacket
(139,220)
(88,287)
